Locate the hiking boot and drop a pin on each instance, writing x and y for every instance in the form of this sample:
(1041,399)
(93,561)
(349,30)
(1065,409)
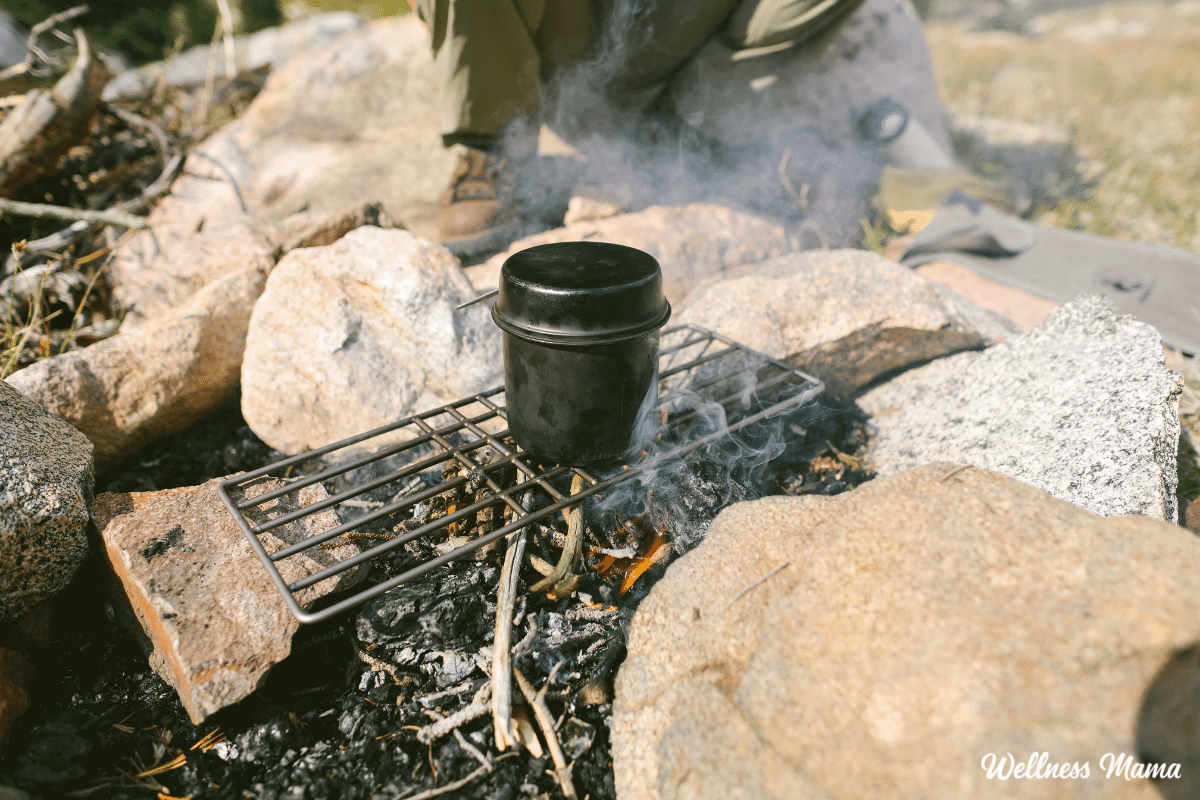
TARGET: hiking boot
(477,206)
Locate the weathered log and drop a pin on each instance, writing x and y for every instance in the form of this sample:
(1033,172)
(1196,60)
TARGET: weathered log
(36,134)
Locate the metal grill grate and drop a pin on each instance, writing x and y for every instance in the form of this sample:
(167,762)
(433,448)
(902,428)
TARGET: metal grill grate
(405,461)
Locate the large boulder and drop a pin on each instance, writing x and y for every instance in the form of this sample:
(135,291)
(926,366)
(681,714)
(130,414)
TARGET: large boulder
(847,316)
(46,483)
(360,333)
(206,604)
(802,104)
(349,121)
(1082,407)
(888,641)
(160,376)
(157,273)
(692,242)
(130,389)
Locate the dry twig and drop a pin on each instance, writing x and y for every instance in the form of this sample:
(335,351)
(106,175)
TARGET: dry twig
(378,665)
(449,787)
(546,722)
(563,580)
(502,640)
(476,709)
(227,31)
(209,741)
(32,50)
(175,763)
(757,583)
(153,128)
(472,750)
(45,211)
(954,472)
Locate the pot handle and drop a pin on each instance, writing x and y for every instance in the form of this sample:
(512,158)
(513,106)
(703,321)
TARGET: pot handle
(480,299)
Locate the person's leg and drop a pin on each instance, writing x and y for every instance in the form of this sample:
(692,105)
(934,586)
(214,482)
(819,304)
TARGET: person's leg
(490,56)
(487,65)
(648,41)
(795,106)
(763,23)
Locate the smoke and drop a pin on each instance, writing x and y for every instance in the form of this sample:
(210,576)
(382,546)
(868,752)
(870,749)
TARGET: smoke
(681,487)
(636,146)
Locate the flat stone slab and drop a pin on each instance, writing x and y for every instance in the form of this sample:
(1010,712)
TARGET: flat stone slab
(883,642)
(46,483)
(216,621)
(1082,407)
(134,387)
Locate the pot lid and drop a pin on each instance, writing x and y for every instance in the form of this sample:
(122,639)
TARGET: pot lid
(580,293)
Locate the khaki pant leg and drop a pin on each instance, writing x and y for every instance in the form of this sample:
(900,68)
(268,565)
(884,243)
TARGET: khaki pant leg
(762,23)
(644,42)
(487,64)
(567,34)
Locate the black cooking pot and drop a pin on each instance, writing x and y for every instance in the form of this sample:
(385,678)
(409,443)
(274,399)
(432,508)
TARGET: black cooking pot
(580,322)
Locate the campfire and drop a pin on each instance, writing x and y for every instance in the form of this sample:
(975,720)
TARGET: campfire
(455,486)
(477,651)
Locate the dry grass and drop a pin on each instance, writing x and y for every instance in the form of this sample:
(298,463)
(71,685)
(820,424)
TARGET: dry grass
(1125,78)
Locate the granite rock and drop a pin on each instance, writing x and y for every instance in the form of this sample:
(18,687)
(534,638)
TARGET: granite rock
(349,337)
(160,378)
(692,243)
(903,632)
(310,229)
(346,122)
(46,482)
(1081,406)
(846,316)
(154,273)
(205,602)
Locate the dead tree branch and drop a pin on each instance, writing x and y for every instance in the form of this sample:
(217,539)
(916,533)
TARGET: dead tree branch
(63,16)
(44,211)
(35,135)
(32,51)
